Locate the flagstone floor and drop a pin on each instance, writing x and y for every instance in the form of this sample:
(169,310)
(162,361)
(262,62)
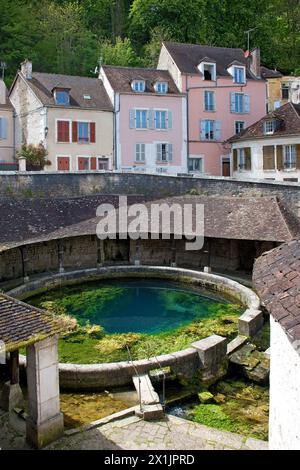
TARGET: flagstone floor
(132,433)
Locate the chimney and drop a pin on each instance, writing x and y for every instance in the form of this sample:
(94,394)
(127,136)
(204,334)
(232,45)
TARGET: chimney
(2,92)
(26,69)
(255,62)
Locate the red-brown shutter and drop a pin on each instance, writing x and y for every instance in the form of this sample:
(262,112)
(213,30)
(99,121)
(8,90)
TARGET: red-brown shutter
(63,163)
(63,131)
(93,132)
(93,163)
(74,131)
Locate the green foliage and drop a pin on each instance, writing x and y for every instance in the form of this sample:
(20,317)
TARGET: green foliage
(35,155)
(69,36)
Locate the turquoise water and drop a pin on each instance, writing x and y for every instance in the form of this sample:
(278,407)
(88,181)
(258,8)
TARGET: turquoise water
(143,306)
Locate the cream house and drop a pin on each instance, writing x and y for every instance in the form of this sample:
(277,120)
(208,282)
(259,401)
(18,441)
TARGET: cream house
(71,116)
(270,148)
(6,130)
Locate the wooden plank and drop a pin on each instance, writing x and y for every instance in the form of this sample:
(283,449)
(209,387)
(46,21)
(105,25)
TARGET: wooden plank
(145,390)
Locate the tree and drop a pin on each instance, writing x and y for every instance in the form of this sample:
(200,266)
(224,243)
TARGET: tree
(35,156)
(120,53)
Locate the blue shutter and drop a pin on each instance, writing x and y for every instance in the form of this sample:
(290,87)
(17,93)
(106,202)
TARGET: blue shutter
(3,128)
(170,120)
(158,152)
(206,104)
(202,130)
(170,152)
(132,118)
(247,103)
(217,130)
(232,102)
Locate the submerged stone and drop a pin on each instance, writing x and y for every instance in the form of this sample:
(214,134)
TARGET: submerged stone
(205,397)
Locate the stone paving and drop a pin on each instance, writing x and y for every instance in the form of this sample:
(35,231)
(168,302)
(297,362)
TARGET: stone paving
(132,433)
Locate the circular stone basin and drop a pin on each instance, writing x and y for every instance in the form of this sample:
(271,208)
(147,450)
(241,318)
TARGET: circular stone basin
(139,306)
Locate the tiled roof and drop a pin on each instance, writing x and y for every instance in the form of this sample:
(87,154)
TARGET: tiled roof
(120,78)
(22,325)
(269,73)
(239,218)
(7,104)
(188,56)
(276,278)
(25,219)
(43,84)
(288,117)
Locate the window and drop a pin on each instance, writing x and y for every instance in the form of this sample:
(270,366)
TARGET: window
(285,91)
(3,128)
(209,100)
(141,117)
(161,87)
(289,157)
(209,72)
(164,152)
(196,165)
(83,132)
(239,75)
(87,97)
(239,103)
(103,163)
(242,159)
(160,119)
(63,131)
(140,152)
(62,97)
(210,130)
(269,127)
(83,163)
(239,126)
(138,85)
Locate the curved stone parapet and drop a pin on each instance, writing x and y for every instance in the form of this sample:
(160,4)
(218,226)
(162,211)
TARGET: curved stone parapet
(182,363)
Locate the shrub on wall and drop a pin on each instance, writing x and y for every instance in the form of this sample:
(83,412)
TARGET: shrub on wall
(35,155)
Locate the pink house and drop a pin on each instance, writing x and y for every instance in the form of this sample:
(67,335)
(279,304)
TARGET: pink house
(150,128)
(225,94)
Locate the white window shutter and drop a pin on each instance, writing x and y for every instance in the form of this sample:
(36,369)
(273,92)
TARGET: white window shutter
(150,117)
(158,152)
(217,130)
(170,152)
(132,118)
(202,130)
(143,152)
(247,103)
(232,102)
(170,120)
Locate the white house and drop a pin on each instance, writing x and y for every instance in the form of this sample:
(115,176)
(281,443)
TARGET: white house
(270,148)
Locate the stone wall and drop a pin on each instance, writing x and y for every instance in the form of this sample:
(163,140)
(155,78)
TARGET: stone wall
(284,425)
(46,184)
(82,252)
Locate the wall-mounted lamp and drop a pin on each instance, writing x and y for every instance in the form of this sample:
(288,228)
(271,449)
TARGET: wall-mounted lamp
(46,132)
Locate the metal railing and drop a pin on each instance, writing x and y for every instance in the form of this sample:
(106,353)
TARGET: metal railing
(137,375)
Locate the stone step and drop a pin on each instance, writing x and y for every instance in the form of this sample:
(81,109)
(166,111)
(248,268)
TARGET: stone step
(145,390)
(151,412)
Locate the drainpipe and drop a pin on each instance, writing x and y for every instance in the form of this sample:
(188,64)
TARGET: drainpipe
(116,111)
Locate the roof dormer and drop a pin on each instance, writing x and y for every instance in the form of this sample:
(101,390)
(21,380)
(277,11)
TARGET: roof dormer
(208,69)
(61,95)
(161,87)
(238,72)
(271,125)
(138,86)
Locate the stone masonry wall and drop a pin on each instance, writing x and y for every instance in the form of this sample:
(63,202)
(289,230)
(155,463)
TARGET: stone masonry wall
(46,184)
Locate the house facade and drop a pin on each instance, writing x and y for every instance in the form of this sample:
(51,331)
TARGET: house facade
(225,94)
(6,130)
(280,88)
(150,125)
(70,116)
(270,148)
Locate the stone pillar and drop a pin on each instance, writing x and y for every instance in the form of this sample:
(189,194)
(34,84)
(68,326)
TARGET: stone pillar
(45,421)
(212,354)
(12,395)
(61,268)
(24,257)
(100,253)
(22,164)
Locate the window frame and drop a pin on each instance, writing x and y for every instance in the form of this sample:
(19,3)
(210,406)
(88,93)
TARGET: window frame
(235,126)
(194,159)
(160,112)
(62,91)
(88,138)
(159,87)
(135,85)
(140,152)
(292,157)
(141,110)
(241,153)
(242,69)
(212,107)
